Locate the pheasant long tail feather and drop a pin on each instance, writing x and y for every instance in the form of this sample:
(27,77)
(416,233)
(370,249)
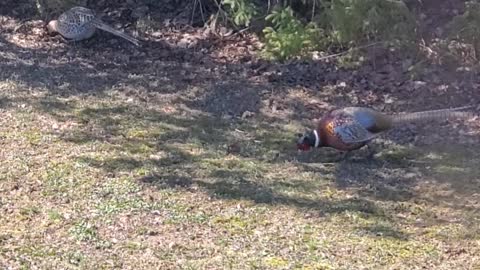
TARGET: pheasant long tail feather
(431,115)
(105,27)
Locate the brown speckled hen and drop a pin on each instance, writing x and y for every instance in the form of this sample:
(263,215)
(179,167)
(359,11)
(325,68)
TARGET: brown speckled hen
(79,23)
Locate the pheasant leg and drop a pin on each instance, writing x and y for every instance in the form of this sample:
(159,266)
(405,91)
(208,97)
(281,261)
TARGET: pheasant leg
(371,151)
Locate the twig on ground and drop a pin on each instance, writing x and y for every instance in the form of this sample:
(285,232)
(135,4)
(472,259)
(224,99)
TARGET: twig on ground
(347,51)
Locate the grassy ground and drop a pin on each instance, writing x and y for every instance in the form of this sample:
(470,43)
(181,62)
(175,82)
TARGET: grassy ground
(102,182)
(114,161)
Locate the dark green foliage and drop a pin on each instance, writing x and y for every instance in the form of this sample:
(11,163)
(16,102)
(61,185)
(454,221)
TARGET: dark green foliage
(289,37)
(466,27)
(354,21)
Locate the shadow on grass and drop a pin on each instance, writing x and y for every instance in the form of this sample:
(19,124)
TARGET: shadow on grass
(185,142)
(187,145)
(444,175)
(400,173)
(236,186)
(384,231)
(191,153)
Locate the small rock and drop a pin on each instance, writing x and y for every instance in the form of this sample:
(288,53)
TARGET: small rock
(227,116)
(419,84)
(156,213)
(410,175)
(247,114)
(152,233)
(388,99)
(183,43)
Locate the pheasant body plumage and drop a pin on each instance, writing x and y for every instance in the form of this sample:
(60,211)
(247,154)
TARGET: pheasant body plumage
(79,23)
(337,130)
(351,128)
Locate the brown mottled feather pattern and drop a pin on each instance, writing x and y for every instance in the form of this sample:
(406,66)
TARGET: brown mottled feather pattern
(80,23)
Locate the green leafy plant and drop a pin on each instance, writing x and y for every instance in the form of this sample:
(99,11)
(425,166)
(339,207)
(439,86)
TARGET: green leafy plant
(354,21)
(241,11)
(466,27)
(289,37)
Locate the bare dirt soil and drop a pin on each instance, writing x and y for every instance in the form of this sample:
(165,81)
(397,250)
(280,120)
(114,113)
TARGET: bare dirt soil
(180,154)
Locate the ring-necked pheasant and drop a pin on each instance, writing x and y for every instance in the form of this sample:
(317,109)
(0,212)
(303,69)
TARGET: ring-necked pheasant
(351,128)
(79,23)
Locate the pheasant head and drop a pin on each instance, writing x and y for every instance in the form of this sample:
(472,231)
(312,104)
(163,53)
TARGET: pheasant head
(52,26)
(308,140)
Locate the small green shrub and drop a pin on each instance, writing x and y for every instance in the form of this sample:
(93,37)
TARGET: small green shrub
(355,21)
(338,22)
(241,11)
(289,37)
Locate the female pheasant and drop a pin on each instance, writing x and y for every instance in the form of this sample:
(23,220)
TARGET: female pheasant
(79,23)
(351,128)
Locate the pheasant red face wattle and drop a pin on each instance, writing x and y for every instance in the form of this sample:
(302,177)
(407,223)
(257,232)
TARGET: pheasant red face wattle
(303,146)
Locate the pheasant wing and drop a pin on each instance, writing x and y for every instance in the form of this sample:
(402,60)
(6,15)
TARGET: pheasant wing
(353,132)
(82,15)
(77,16)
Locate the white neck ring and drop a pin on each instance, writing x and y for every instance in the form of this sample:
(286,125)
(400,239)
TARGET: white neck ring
(317,139)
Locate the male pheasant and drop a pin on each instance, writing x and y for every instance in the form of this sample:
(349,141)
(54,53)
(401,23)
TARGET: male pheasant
(79,23)
(351,128)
